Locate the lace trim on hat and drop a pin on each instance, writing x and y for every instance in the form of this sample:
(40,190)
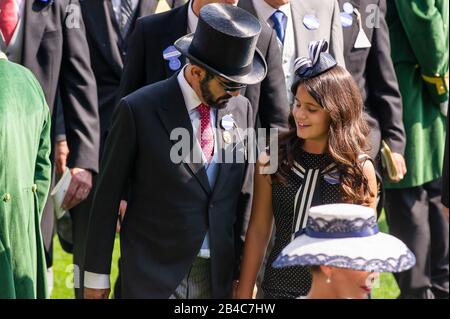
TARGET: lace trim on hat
(402,263)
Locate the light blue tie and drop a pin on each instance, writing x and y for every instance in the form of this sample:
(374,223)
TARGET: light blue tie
(278,19)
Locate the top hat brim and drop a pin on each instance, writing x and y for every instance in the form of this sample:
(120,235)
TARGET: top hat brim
(256,75)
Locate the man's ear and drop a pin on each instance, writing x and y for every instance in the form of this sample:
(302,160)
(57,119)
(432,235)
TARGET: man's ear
(197,72)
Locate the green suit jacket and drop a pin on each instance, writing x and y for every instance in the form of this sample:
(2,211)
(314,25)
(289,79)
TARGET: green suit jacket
(24,182)
(419,40)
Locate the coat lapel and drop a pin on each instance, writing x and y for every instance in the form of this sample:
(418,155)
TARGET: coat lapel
(223,166)
(177,29)
(96,15)
(174,115)
(298,11)
(35,22)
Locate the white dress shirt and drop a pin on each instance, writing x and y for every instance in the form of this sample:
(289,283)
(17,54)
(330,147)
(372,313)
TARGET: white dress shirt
(192,19)
(192,101)
(264,12)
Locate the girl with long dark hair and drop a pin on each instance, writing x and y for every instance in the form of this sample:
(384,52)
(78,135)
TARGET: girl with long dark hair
(321,161)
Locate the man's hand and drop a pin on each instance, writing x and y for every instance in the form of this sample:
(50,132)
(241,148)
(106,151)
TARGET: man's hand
(61,153)
(400,165)
(79,188)
(90,293)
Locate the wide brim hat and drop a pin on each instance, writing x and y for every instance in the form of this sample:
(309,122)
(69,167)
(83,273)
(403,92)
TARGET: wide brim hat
(346,236)
(224,43)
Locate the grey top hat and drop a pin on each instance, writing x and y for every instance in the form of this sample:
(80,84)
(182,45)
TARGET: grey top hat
(225,44)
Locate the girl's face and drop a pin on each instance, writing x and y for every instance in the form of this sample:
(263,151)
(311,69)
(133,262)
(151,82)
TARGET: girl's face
(352,284)
(312,120)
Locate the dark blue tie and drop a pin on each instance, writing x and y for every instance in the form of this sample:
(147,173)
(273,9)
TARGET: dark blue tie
(277,18)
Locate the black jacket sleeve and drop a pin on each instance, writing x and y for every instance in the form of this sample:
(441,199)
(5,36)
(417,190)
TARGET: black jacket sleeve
(79,92)
(384,94)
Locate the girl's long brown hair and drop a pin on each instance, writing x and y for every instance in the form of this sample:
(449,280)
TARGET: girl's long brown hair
(336,91)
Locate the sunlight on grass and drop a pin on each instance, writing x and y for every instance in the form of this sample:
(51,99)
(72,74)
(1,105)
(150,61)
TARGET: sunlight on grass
(62,271)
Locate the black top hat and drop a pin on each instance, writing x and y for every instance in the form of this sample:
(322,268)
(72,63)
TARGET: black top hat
(225,44)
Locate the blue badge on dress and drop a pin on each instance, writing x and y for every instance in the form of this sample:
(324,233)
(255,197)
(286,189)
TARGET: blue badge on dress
(172,55)
(348,8)
(311,22)
(332,178)
(227,122)
(346,19)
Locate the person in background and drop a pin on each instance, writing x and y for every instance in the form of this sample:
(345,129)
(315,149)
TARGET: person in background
(419,38)
(25,169)
(48,38)
(108,27)
(296,24)
(368,58)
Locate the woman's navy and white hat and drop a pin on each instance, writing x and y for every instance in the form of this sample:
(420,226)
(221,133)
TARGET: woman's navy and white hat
(318,62)
(346,236)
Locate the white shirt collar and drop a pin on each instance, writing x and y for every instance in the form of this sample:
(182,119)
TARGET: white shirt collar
(265,10)
(192,19)
(20,5)
(191,99)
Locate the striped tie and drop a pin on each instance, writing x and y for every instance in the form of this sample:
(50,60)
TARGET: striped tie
(126,15)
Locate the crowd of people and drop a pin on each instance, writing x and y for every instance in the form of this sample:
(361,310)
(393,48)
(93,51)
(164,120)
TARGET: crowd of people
(116,90)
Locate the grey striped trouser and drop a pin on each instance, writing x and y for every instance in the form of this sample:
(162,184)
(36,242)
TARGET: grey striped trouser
(197,282)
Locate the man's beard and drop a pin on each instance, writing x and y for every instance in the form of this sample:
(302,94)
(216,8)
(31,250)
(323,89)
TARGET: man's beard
(219,103)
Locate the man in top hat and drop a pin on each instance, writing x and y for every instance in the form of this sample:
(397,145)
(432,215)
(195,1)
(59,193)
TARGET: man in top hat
(178,238)
(152,57)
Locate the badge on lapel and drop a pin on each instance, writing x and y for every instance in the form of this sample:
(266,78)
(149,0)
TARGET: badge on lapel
(332,178)
(227,124)
(347,15)
(311,22)
(172,55)
(41,4)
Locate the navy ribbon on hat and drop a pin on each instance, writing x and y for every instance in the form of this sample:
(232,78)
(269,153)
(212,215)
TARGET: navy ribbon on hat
(303,65)
(340,228)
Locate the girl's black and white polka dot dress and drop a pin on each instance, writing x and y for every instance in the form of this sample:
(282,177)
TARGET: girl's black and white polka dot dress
(313,181)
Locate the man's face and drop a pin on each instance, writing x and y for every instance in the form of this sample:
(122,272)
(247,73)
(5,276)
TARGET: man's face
(276,3)
(217,91)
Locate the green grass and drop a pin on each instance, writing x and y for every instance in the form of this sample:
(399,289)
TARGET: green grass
(63,271)
(62,268)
